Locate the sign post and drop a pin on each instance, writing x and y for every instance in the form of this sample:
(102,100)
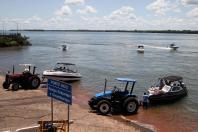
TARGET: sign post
(60,91)
(52,110)
(68,118)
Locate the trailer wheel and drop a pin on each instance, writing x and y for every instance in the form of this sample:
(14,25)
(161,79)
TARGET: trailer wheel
(6,85)
(15,86)
(131,106)
(34,82)
(103,107)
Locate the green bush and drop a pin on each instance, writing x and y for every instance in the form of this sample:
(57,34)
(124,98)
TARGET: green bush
(13,40)
(13,43)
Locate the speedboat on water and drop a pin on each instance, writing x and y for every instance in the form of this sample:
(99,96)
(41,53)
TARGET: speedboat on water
(64,47)
(63,72)
(173,46)
(140,49)
(167,89)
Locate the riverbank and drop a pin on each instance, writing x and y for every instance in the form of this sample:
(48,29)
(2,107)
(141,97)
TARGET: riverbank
(24,108)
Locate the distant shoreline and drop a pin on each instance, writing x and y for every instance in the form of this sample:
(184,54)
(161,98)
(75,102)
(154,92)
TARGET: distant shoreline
(133,31)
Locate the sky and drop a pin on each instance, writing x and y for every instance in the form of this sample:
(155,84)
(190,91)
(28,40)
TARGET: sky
(99,14)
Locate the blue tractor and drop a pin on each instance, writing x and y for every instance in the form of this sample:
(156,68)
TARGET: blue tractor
(116,99)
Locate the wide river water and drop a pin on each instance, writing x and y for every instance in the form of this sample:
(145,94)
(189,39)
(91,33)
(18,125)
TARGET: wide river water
(101,55)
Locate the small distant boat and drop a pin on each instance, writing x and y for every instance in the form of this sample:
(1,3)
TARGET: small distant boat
(64,47)
(140,49)
(63,72)
(168,89)
(173,46)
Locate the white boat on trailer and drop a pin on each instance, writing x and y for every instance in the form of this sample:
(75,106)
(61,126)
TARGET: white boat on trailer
(63,72)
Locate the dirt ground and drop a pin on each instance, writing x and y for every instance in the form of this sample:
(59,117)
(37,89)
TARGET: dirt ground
(24,108)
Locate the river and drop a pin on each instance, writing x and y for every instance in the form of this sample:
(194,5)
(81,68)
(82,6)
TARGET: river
(101,55)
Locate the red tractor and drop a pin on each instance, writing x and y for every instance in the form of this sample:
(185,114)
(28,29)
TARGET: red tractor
(26,79)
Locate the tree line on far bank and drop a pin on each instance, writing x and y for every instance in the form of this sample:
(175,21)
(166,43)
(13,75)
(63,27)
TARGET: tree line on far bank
(138,31)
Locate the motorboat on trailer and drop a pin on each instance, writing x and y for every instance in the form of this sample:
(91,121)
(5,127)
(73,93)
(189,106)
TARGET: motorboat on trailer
(140,49)
(63,72)
(173,47)
(168,89)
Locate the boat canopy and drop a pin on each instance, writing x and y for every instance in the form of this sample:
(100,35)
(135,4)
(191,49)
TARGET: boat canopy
(125,80)
(173,78)
(25,65)
(140,46)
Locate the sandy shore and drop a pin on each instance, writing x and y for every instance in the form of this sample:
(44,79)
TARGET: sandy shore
(24,108)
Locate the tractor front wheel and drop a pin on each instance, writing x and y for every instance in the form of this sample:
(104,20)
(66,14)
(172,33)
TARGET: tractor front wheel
(34,82)
(6,85)
(104,107)
(131,106)
(15,86)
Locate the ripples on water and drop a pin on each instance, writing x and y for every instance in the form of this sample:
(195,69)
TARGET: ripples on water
(110,55)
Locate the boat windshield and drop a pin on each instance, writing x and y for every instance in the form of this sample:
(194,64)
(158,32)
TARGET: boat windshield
(65,67)
(141,47)
(161,83)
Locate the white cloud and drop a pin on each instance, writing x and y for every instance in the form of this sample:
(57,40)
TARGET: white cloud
(124,12)
(74,2)
(190,2)
(33,22)
(160,7)
(121,19)
(102,23)
(167,23)
(32,19)
(64,11)
(87,9)
(193,13)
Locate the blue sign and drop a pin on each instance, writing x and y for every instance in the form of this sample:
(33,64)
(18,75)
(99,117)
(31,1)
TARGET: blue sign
(60,91)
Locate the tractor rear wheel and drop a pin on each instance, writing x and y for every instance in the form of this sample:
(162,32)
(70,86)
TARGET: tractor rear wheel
(130,106)
(104,107)
(6,85)
(34,82)
(15,86)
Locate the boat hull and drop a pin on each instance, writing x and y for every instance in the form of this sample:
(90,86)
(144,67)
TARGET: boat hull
(167,97)
(140,50)
(174,48)
(62,76)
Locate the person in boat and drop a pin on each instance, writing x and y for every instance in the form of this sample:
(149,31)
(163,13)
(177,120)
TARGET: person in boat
(145,100)
(161,84)
(160,87)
